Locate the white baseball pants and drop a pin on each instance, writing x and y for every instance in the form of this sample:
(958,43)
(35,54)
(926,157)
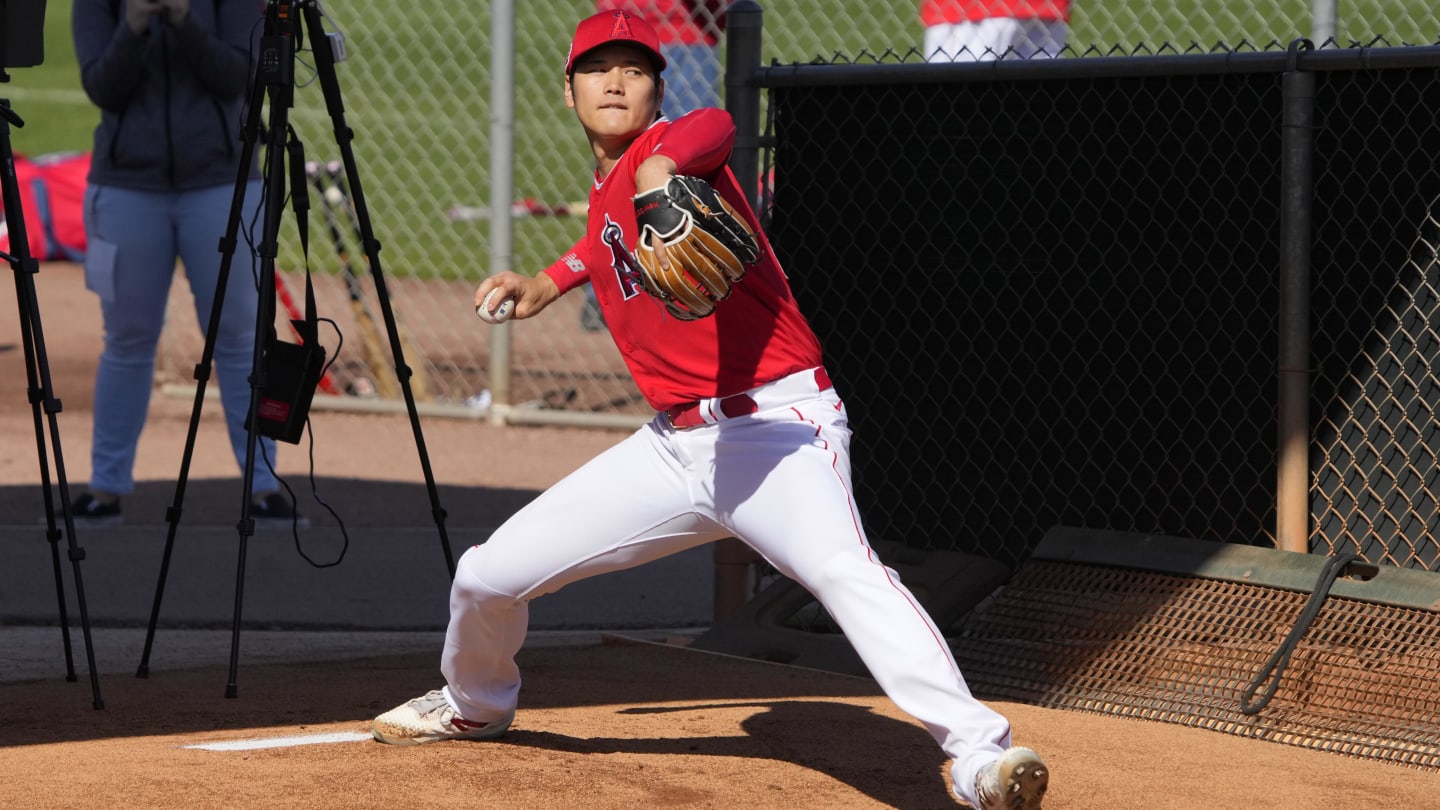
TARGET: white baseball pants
(778,479)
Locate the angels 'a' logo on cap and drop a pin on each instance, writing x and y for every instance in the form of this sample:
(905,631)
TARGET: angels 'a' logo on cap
(621,29)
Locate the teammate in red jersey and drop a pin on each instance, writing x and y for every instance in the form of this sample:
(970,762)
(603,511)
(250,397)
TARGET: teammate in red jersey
(750,441)
(986,30)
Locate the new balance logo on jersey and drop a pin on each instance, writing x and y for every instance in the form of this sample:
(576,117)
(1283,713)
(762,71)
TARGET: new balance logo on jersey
(627,270)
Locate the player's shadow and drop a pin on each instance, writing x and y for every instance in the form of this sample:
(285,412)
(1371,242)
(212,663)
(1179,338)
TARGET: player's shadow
(893,762)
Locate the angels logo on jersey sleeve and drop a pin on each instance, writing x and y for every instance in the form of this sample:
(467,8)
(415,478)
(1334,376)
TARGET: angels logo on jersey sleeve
(627,270)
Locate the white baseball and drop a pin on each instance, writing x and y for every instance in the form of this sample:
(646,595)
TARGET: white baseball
(334,196)
(498,314)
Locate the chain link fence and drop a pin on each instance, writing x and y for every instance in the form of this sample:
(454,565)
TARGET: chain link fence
(417,86)
(1176,336)
(1089,274)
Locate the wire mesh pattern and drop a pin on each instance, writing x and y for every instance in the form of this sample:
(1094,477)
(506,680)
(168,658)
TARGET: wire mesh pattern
(1375,393)
(1082,276)
(417,86)
(1108,245)
(1151,240)
(1376,308)
(1085,335)
(1051,333)
(1185,650)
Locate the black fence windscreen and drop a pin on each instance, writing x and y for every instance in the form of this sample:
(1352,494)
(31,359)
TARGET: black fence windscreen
(1053,300)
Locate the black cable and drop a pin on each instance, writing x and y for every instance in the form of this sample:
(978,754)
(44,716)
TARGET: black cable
(1275,667)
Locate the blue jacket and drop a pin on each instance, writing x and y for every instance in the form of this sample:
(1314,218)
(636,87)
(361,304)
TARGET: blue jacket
(172,101)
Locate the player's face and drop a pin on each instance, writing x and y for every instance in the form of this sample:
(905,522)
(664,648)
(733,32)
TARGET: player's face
(614,91)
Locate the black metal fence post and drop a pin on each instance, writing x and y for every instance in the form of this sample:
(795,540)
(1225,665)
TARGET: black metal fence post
(743,21)
(734,561)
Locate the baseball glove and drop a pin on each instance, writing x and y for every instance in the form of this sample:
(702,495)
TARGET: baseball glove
(708,243)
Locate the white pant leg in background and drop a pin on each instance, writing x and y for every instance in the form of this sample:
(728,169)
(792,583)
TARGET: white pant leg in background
(995,38)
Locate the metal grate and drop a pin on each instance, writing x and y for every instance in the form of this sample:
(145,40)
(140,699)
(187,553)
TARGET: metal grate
(1180,649)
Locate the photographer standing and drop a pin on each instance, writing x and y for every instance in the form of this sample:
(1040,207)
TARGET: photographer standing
(171,79)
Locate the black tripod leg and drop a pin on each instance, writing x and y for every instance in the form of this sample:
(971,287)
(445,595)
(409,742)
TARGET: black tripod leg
(275,186)
(36,396)
(275,76)
(42,398)
(203,369)
(325,69)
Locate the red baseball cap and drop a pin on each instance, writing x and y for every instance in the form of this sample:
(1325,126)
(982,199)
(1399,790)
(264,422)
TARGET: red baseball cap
(613,26)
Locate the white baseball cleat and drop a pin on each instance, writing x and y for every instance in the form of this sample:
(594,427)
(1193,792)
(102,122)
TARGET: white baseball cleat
(430,718)
(1015,781)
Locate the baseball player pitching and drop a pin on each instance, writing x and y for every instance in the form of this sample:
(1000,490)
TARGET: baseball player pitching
(750,439)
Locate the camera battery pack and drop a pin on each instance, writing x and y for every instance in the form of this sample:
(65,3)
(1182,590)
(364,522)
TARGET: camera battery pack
(292,372)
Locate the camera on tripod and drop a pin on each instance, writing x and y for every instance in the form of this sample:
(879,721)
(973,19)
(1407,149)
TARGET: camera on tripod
(278,46)
(23,41)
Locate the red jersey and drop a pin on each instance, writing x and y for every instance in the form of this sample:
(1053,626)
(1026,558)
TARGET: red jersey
(676,22)
(755,336)
(935,12)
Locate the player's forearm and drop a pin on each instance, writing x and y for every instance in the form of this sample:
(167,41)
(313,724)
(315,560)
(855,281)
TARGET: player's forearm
(541,291)
(654,172)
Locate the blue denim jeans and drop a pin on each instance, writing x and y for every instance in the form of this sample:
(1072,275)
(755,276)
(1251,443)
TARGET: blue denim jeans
(133,241)
(692,79)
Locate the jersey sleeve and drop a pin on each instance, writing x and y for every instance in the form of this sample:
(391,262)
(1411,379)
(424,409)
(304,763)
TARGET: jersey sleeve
(699,142)
(572,269)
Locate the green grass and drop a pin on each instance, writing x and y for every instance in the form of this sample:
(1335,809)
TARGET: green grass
(58,117)
(417,96)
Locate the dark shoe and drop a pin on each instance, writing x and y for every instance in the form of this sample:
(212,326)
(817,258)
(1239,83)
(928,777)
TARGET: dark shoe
(93,512)
(274,510)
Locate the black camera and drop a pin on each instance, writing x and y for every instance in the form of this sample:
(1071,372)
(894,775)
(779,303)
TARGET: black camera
(23,40)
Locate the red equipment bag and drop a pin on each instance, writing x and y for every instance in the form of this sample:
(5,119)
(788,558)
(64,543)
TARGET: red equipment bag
(52,194)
